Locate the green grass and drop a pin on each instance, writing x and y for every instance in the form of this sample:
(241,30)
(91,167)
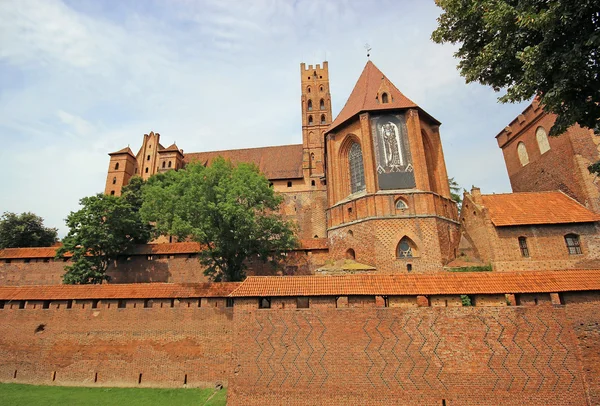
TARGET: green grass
(481,268)
(26,395)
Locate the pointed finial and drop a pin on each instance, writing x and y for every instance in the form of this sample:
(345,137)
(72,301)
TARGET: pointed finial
(368,48)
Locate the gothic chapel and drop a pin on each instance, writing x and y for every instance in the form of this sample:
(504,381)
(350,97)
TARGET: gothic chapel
(372,183)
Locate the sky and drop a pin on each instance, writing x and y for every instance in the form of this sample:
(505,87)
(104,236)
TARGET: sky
(82,78)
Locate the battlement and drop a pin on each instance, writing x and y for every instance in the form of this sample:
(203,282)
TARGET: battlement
(322,71)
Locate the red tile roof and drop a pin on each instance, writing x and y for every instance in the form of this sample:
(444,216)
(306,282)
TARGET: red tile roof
(429,284)
(166,248)
(280,162)
(364,96)
(37,252)
(529,208)
(125,150)
(314,244)
(118,291)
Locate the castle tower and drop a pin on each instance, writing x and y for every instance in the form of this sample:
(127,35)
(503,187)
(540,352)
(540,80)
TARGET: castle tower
(316,117)
(147,157)
(120,169)
(389,202)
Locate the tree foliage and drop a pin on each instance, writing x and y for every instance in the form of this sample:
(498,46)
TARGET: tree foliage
(104,228)
(25,230)
(548,48)
(455,190)
(229,209)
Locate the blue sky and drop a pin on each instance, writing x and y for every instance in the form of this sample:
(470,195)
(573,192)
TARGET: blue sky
(82,78)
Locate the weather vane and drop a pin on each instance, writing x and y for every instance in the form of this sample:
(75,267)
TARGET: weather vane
(368,48)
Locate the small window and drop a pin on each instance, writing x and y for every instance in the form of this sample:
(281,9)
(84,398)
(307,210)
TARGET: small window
(386,301)
(320,88)
(46,304)
(22,304)
(112,192)
(148,158)
(115,180)
(147,304)
(149,146)
(401,205)
(2,302)
(229,302)
(312,182)
(408,267)
(116,166)
(405,248)
(323,119)
(523,247)
(8,261)
(264,303)
(350,254)
(308,89)
(122,304)
(310,120)
(573,244)
(146,170)
(149,257)
(164,164)
(309,105)
(384,98)
(542,139)
(522,152)
(95,303)
(322,105)
(302,302)
(169,164)
(69,304)
(289,184)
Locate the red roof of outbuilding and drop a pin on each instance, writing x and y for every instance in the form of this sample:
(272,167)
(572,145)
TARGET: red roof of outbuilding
(530,208)
(279,162)
(444,283)
(125,150)
(364,96)
(118,291)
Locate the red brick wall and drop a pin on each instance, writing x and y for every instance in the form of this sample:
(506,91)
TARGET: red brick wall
(162,344)
(412,356)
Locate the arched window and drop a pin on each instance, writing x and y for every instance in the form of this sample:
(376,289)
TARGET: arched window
(357,170)
(322,119)
(350,254)
(146,170)
(115,180)
(164,164)
(148,158)
(384,98)
(112,192)
(542,139)
(116,166)
(309,105)
(320,88)
(573,244)
(406,248)
(401,205)
(312,156)
(310,120)
(169,164)
(522,152)
(523,247)
(308,89)
(322,104)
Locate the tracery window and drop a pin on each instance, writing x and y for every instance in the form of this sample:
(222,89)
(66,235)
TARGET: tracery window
(357,170)
(405,249)
(523,247)
(573,244)
(522,152)
(542,139)
(401,205)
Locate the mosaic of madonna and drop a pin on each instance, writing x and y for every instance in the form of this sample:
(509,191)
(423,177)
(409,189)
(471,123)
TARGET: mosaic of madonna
(392,152)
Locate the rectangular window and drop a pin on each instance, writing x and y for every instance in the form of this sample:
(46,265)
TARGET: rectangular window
(95,303)
(46,304)
(302,302)
(264,303)
(229,302)
(122,304)
(523,247)
(573,244)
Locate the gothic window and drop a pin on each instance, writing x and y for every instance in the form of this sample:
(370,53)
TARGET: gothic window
(164,163)
(405,248)
(148,158)
(115,180)
(542,139)
(350,254)
(116,166)
(384,98)
(401,205)
(522,152)
(322,119)
(310,120)
(112,192)
(308,89)
(573,244)
(322,104)
(310,105)
(357,170)
(146,170)
(523,247)
(169,164)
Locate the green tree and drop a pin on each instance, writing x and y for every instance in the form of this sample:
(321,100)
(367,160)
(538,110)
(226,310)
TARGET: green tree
(530,47)
(25,230)
(455,190)
(104,228)
(229,209)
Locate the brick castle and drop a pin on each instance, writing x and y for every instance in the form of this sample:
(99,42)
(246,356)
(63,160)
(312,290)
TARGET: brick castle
(373,315)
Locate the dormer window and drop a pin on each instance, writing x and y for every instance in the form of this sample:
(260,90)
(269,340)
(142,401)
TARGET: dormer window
(384,98)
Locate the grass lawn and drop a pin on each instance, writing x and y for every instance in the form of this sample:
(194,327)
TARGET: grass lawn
(26,395)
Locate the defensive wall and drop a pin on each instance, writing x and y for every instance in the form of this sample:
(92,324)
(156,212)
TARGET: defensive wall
(530,338)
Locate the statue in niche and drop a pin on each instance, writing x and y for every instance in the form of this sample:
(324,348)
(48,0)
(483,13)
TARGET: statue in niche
(391,142)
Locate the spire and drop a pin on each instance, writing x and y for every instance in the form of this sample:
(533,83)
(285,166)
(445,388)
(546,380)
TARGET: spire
(373,91)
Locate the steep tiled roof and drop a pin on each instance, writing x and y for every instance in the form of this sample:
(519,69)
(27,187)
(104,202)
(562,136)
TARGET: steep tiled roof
(280,162)
(170,148)
(431,284)
(125,150)
(528,208)
(364,96)
(117,291)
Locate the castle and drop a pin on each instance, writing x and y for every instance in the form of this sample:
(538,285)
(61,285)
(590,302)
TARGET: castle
(394,327)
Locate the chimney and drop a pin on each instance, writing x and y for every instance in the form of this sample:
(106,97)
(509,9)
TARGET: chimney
(476,195)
